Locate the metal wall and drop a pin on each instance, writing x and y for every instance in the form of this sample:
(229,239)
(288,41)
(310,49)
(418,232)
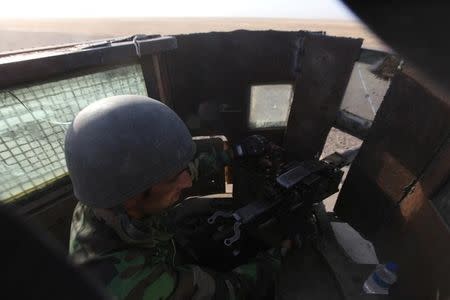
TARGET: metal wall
(215,70)
(390,191)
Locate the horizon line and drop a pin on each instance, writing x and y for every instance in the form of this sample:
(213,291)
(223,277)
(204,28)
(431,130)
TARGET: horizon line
(174,17)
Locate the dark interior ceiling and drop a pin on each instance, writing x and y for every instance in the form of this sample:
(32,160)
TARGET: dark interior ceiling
(416,30)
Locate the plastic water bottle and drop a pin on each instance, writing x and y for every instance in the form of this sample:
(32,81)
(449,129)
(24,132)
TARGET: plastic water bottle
(381,279)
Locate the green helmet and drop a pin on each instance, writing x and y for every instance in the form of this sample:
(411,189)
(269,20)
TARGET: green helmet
(120,146)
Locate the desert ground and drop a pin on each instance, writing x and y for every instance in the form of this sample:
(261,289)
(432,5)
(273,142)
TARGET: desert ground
(27,33)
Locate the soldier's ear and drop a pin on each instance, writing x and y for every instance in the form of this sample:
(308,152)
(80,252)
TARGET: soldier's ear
(133,205)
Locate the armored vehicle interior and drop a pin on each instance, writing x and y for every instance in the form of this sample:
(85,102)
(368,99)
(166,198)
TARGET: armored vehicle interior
(293,88)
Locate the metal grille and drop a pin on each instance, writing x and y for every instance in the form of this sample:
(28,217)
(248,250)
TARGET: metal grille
(34,120)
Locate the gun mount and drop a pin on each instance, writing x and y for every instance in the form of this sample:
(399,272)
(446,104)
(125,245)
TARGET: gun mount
(282,210)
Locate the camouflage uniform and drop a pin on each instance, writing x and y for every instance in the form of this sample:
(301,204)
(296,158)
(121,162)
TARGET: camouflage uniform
(152,268)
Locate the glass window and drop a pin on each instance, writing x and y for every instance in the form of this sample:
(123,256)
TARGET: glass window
(34,120)
(365,91)
(270,105)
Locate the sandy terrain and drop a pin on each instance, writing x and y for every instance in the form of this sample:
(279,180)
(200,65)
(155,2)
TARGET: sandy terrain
(16,34)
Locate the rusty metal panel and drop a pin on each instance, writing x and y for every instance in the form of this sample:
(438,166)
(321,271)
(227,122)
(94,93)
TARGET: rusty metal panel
(437,182)
(150,73)
(419,242)
(418,237)
(164,85)
(326,64)
(210,75)
(410,127)
(394,187)
(155,76)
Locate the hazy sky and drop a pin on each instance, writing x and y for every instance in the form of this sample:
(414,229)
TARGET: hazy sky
(301,9)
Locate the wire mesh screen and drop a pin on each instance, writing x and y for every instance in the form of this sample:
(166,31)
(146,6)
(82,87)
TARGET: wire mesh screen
(34,120)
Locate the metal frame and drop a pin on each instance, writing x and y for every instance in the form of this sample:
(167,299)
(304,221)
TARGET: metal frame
(247,106)
(352,124)
(54,63)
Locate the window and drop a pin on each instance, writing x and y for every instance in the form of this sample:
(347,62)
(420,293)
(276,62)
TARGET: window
(365,91)
(270,105)
(34,119)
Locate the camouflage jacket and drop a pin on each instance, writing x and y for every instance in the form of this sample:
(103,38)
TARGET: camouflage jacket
(152,269)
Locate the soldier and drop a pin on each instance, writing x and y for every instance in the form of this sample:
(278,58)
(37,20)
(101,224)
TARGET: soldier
(128,158)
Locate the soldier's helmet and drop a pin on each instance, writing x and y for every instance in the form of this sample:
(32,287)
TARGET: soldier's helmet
(119,146)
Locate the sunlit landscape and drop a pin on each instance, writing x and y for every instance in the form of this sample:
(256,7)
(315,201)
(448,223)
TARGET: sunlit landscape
(28,33)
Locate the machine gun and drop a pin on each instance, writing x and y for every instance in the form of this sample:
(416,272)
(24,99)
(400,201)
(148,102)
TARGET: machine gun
(275,199)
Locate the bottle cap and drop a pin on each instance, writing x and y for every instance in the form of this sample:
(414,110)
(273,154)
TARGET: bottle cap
(392,266)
